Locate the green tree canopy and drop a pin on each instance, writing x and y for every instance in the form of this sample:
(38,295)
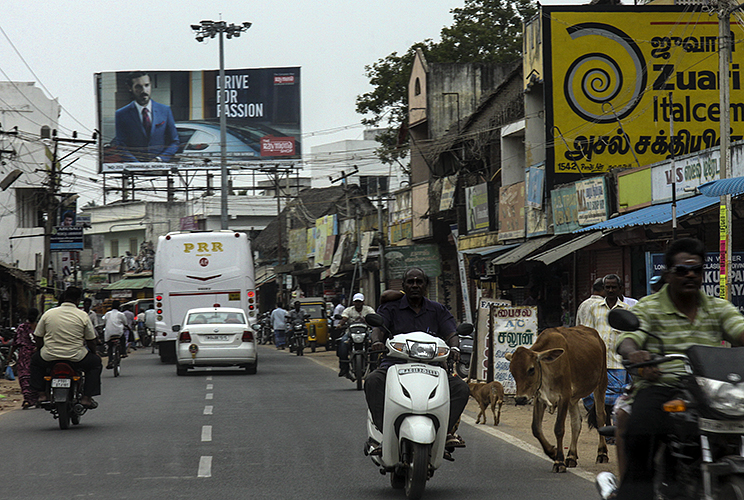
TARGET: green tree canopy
(483,31)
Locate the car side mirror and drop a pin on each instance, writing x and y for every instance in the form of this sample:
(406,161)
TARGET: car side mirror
(176,328)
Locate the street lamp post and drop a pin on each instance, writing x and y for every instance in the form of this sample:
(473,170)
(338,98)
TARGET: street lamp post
(210,29)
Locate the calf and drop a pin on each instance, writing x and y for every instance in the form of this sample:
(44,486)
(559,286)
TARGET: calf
(486,394)
(562,366)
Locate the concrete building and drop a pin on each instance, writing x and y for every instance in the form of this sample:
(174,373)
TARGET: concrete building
(27,118)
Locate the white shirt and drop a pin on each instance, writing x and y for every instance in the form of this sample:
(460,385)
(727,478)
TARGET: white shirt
(339,309)
(114,324)
(597,319)
(278,319)
(355,316)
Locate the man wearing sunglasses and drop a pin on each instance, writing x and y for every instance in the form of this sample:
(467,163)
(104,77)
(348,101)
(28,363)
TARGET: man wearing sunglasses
(682,315)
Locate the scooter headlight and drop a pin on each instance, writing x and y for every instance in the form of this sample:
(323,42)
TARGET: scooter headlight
(725,397)
(422,350)
(358,338)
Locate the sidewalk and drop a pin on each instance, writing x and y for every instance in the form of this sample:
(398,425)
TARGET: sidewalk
(515,426)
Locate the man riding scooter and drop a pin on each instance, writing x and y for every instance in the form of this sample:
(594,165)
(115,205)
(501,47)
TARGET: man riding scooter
(353,314)
(413,312)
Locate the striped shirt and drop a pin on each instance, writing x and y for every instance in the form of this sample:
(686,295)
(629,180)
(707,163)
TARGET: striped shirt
(716,320)
(596,317)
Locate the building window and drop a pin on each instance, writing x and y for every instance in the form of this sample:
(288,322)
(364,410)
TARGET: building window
(114,248)
(417,87)
(30,207)
(133,247)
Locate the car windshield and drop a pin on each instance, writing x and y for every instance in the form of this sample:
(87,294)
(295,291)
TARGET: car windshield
(215,318)
(314,310)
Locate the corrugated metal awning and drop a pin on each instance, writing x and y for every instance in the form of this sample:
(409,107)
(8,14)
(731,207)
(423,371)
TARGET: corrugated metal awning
(522,251)
(131,284)
(721,187)
(489,250)
(567,248)
(656,214)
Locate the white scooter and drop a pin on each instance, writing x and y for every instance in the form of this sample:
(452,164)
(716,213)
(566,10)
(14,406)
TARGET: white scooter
(417,405)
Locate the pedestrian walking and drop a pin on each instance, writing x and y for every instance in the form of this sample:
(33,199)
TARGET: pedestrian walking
(24,343)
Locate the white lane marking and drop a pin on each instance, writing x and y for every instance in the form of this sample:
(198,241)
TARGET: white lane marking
(209,377)
(210,387)
(208,410)
(210,395)
(206,433)
(205,467)
(522,445)
(209,368)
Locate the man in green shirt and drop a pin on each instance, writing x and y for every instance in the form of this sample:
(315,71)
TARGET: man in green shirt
(682,316)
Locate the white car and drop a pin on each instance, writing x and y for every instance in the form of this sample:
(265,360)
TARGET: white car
(216,336)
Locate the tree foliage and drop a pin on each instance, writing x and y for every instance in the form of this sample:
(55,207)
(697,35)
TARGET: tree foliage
(483,31)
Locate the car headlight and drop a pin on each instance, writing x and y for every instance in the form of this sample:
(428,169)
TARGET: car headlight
(725,397)
(358,338)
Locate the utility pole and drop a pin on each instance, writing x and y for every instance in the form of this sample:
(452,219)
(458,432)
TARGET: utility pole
(381,235)
(725,8)
(52,204)
(210,29)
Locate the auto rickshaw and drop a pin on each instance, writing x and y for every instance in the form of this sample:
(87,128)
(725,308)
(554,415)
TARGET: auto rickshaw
(317,325)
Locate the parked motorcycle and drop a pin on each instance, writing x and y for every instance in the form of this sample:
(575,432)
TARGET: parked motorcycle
(703,457)
(462,367)
(265,332)
(6,342)
(417,403)
(358,352)
(65,388)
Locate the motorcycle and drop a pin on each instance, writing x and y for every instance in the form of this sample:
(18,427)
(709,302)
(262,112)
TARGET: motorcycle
(358,352)
(462,367)
(417,404)
(265,332)
(297,338)
(703,457)
(6,342)
(65,388)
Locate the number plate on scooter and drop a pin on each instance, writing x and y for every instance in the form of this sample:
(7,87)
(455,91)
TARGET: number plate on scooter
(721,426)
(60,382)
(419,369)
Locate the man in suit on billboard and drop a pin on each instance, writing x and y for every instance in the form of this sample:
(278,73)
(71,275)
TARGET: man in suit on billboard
(145,129)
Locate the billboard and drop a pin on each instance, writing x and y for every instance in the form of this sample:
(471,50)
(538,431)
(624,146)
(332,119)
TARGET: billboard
(615,77)
(160,120)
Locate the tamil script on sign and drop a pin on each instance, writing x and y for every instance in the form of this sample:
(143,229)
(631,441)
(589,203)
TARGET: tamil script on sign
(513,326)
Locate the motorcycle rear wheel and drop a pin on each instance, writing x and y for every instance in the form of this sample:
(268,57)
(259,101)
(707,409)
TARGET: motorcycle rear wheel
(63,415)
(313,345)
(732,488)
(418,472)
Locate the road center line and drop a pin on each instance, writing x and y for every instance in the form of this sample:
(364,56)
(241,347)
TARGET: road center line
(205,467)
(210,395)
(208,410)
(206,433)
(210,387)
(209,377)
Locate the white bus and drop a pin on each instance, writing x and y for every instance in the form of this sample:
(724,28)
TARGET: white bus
(200,269)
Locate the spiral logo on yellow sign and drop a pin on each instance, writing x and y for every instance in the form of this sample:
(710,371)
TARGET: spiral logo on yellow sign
(596,78)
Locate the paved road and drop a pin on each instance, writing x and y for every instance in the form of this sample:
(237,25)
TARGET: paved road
(293,431)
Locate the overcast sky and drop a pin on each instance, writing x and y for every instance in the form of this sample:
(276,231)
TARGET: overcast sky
(65,43)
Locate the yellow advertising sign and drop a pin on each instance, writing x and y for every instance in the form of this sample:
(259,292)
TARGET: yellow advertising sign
(615,76)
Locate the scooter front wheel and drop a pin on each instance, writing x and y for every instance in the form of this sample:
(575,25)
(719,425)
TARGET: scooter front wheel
(418,471)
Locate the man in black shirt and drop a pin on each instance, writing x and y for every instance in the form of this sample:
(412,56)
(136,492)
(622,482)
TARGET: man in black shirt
(413,312)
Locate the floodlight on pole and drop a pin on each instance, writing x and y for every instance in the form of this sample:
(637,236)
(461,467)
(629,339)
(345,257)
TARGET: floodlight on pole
(210,29)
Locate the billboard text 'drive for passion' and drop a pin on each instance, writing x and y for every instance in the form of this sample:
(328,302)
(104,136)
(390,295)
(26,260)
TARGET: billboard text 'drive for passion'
(615,76)
(181,126)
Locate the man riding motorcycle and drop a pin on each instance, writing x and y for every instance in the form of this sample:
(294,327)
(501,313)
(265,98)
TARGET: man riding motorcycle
(681,315)
(413,312)
(354,314)
(295,316)
(62,334)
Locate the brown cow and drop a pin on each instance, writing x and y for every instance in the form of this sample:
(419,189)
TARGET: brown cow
(562,366)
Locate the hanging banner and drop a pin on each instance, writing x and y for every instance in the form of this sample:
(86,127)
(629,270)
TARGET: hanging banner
(511,211)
